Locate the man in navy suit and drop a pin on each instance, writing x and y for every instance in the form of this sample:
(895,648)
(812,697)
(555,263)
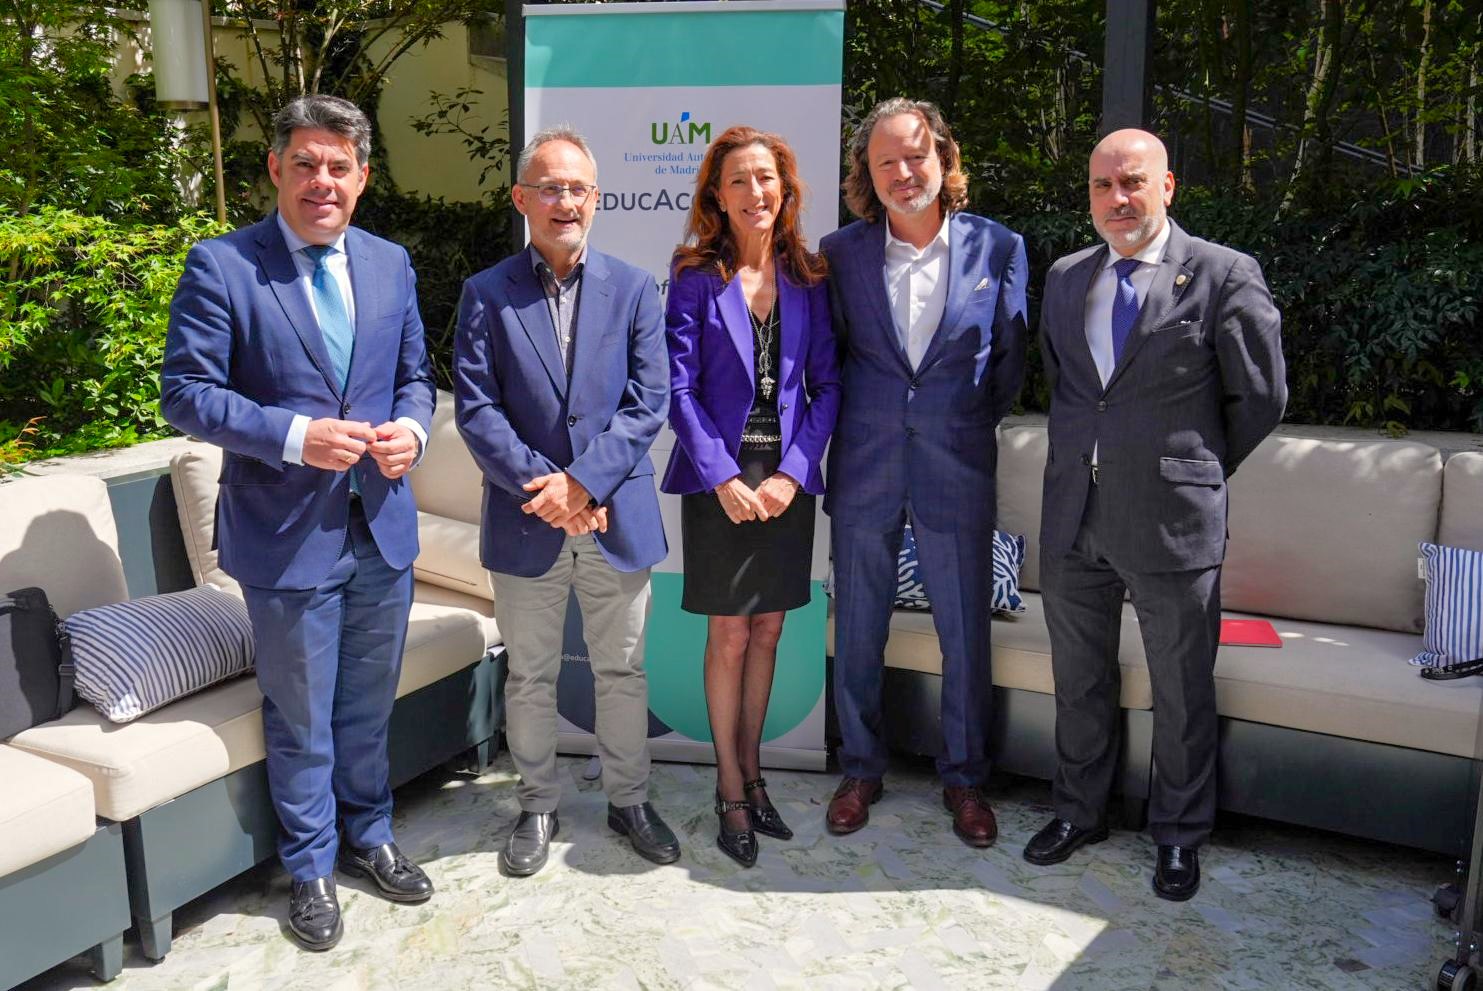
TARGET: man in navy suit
(929,307)
(296,346)
(562,383)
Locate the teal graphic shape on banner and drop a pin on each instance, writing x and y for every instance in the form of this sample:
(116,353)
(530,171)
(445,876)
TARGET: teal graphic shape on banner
(673,657)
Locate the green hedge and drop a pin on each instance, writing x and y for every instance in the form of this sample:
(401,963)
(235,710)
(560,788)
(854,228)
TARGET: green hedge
(83,312)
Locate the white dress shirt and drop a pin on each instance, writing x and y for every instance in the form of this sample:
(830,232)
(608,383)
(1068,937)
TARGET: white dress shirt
(1104,290)
(916,286)
(338,263)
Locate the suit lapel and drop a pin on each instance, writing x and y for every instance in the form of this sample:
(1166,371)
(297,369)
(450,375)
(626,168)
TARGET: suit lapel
(367,291)
(1078,286)
(964,258)
(1162,294)
(595,317)
(534,315)
(283,278)
(791,302)
(872,272)
(732,305)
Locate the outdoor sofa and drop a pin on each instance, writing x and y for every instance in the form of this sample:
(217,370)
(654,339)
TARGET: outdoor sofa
(180,793)
(1333,730)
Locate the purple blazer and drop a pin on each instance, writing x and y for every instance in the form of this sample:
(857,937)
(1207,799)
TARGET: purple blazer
(712,380)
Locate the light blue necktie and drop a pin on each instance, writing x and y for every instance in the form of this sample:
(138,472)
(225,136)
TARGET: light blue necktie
(334,322)
(1124,305)
(329,307)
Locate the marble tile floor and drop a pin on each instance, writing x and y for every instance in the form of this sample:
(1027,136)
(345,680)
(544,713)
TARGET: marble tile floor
(901,904)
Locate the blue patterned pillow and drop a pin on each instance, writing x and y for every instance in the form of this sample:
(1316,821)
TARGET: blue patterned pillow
(1009,557)
(1454,606)
(133,657)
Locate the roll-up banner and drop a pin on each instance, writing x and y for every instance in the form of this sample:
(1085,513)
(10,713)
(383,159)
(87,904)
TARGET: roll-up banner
(650,85)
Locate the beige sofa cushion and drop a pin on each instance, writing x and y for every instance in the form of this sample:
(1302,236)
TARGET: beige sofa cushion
(449,556)
(57,533)
(1462,502)
(1021,650)
(162,755)
(447,482)
(45,808)
(479,606)
(193,475)
(1327,531)
(1351,682)
(1020,484)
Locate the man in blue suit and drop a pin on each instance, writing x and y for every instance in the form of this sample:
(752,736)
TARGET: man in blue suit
(562,383)
(929,307)
(296,346)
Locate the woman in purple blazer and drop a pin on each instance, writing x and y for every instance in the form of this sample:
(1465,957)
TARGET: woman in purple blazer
(755,380)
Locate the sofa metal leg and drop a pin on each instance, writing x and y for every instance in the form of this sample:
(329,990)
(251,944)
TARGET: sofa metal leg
(154,936)
(107,958)
(1135,812)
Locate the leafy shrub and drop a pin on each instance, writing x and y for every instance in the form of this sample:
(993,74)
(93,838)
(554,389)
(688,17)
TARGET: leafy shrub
(83,316)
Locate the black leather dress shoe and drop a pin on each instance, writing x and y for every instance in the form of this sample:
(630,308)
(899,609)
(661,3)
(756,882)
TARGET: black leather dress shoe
(529,843)
(765,818)
(1177,874)
(1059,839)
(314,914)
(398,878)
(646,831)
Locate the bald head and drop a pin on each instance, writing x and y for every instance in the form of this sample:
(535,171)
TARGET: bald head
(1130,188)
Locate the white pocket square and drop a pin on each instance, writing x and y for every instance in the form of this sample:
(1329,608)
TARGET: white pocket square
(982,284)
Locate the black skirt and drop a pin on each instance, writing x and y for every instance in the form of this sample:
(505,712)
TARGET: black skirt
(738,569)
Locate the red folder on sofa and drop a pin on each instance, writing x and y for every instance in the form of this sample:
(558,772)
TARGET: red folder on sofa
(1248,633)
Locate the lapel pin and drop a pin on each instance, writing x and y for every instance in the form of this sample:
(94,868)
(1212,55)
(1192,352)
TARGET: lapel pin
(1181,279)
(982,284)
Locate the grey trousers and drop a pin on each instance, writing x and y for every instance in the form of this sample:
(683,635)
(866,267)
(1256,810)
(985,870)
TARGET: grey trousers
(531,614)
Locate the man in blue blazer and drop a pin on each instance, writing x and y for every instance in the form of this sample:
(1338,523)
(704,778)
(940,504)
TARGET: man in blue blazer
(929,307)
(562,383)
(296,346)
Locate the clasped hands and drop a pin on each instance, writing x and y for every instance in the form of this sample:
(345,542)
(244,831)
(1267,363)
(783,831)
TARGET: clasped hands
(563,502)
(336,445)
(767,501)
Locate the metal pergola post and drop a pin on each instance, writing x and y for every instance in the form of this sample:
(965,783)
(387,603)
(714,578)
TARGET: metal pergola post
(1127,85)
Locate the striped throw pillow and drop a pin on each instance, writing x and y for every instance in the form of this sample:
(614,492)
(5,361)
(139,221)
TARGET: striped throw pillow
(1454,606)
(133,657)
(1009,557)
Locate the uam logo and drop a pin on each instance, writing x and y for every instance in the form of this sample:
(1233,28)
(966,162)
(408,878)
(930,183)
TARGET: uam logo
(682,132)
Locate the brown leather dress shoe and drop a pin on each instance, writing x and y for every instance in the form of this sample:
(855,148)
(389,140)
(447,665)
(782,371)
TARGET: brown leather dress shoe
(973,820)
(849,809)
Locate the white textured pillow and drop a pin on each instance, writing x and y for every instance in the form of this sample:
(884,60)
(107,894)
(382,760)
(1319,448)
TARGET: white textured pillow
(133,657)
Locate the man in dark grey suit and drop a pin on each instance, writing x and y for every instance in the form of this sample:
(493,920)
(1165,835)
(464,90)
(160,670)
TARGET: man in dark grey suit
(1164,356)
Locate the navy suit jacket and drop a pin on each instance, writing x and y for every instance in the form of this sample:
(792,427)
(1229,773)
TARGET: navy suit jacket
(244,355)
(713,380)
(926,436)
(522,417)
(1200,382)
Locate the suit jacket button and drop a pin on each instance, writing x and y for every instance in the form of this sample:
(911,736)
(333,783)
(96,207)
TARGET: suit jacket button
(571,421)
(344,411)
(911,431)
(1102,406)
(916,384)
(1086,459)
(783,408)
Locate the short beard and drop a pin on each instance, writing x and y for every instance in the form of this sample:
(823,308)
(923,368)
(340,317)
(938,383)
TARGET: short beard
(923,200)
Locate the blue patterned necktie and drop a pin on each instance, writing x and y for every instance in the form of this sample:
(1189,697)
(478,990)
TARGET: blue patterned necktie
(1124,305)
(334,320)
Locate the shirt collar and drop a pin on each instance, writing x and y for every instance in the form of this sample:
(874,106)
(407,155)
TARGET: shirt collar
(296,243)
(939,240)
(538,261)
(1152,253)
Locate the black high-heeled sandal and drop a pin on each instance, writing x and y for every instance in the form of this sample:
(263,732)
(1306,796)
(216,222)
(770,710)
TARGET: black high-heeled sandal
(765,818)
(738,844)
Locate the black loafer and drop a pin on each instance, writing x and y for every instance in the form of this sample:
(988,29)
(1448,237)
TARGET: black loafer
(1059,839)
(397,878)
(1176,877)
(651,838)
(529,844)
(314,914)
